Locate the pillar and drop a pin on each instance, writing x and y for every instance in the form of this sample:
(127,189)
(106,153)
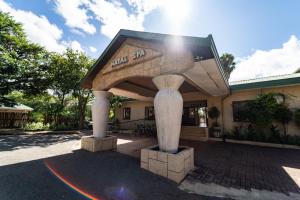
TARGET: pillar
(100,112)
(168,105)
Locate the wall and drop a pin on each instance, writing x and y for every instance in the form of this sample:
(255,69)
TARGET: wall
(159,59)
(137,113)
(187,132)
(292,94)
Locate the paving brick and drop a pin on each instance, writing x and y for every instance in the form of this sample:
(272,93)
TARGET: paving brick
(245,167)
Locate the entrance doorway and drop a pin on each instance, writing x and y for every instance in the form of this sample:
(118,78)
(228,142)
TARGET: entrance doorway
(195,114)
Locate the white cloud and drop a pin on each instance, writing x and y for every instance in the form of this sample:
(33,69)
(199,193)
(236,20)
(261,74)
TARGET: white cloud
(93,49)
(39,30)
(75,15)
(75,45)
(112,15)
(284,60)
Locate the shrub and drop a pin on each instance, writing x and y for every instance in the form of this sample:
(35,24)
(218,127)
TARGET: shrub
(251,134)
(214,113)
(36,126)
(62,127)
(261,111)
(297,117)
(274,135)
(283,115)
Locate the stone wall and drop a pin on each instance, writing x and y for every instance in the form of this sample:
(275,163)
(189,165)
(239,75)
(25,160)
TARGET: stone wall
(172,166)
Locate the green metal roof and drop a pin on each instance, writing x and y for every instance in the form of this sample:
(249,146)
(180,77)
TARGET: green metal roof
(203,47)
(266,82)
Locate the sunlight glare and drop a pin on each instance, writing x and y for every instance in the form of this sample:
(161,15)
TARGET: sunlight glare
(176,12)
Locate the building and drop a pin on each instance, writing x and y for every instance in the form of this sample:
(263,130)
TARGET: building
(13,115)
(195,125)
(133,59)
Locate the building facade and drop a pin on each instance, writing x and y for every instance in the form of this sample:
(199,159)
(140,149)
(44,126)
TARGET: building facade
(133,61)
(195,122)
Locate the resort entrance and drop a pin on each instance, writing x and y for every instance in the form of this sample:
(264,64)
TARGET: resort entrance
(195,114)
(177,74)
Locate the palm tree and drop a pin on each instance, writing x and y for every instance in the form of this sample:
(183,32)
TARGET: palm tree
(227,61)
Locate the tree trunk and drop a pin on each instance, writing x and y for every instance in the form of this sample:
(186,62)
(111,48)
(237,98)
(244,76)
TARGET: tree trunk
(82,101)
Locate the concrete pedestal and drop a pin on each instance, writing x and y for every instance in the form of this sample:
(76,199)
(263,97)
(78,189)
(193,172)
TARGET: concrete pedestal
(92,144)
(172,166)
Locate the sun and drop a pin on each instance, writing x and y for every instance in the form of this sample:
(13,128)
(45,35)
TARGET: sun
(176,11)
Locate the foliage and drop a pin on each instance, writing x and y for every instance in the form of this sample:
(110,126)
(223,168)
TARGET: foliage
(227,61)
(36,126)
(23,65)
(75,66)
(261,111)
(283,115)
(214,113)
(48,82)
(297,117)
(44,105)
(115,102)
(272,136)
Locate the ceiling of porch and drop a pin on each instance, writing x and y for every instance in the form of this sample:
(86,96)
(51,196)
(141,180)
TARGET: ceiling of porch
(142,88)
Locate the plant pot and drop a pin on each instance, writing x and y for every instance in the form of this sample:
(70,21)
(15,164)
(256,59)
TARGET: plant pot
(217,130)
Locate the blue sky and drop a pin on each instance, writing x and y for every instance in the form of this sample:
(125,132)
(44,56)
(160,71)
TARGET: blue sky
(262,35)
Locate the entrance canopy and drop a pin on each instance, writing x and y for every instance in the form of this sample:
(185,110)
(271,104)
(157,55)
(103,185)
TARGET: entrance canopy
(133,58)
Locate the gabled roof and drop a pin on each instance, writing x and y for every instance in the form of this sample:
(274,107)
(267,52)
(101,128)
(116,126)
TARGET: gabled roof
(7,104)
(266,82)
(202,47)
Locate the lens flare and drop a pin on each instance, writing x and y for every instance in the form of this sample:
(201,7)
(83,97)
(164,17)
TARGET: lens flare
(69,184)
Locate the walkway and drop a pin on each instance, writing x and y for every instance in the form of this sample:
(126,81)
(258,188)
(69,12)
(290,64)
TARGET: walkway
(243,170)
(52,167)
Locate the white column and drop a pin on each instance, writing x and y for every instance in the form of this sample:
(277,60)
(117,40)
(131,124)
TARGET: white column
(168,105)
(100,112)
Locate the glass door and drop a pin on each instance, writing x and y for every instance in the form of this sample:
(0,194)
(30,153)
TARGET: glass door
(194,114)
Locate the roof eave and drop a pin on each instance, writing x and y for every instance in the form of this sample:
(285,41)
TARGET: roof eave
(266,84)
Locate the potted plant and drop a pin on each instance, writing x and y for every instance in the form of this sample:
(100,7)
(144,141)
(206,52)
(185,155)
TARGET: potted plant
(214,113)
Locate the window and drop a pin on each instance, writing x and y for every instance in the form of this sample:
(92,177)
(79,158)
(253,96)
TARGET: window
(240,110)
(149,113)
(126,113)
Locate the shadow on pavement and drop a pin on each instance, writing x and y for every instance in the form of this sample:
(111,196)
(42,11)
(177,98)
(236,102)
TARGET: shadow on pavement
(105,175)
(12,142)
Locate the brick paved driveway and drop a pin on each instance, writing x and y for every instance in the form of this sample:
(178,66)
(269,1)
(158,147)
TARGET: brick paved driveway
(247,167)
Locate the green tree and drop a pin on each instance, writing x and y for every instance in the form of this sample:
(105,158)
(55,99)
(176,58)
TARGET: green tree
(23,65)
(297,117)
(261,111)
(214,113)
(81,64)
(115,102)
(67,71)
(283,115)
(227,61)
(44,105)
